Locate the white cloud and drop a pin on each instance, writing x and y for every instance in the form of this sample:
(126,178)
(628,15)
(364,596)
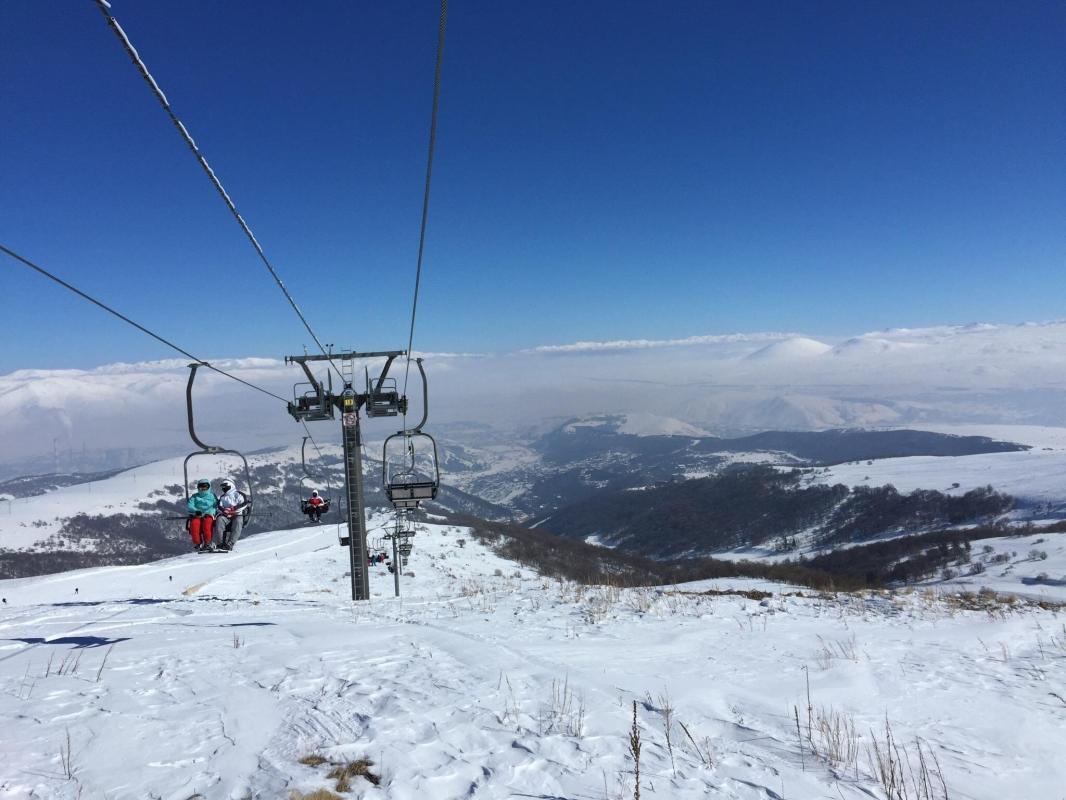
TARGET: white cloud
(977,373)
(647,344)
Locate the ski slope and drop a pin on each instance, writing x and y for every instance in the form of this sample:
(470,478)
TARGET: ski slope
(29,522)
(212,676)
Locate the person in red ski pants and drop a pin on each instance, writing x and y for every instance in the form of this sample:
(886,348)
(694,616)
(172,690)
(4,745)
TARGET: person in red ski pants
(202,509)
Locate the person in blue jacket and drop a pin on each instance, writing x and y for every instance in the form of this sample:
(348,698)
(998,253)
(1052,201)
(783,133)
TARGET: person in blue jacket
(202,509)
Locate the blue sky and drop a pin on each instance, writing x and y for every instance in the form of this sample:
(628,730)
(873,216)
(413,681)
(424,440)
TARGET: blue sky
(604,171)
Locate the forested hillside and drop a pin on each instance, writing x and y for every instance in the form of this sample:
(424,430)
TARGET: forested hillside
(756,504)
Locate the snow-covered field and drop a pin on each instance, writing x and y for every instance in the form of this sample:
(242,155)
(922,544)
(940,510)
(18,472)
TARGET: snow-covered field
(212,676)
(1029,566)
(1037,477)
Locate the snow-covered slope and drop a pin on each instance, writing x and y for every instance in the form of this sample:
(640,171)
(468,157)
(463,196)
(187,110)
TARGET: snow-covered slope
(638,423)
(795,347)
(641,423)
(1027,565)
(1036,477)
(213,676)
(29,521)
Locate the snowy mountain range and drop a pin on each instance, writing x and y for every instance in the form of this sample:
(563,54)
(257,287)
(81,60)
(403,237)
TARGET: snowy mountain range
(116,415)
(56,522)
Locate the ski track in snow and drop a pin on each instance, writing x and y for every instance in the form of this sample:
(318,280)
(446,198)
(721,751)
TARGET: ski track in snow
(449,690)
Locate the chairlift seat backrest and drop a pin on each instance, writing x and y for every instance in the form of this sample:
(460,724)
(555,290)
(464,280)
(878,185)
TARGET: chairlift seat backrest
(311,406)
(423,490)
(383,404)
(383,398)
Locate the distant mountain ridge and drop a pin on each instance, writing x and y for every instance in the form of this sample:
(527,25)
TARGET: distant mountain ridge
(582,456)
(754,505)
(115,517)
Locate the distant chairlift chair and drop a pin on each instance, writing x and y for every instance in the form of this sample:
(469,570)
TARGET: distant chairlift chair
(408,486)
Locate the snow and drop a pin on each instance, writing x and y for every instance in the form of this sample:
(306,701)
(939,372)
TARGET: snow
(641,423)
(637,423)
(30,520)
(792,348)
(1037,478)
(1041,436)
(27,521)
(1031,566)
(459,688)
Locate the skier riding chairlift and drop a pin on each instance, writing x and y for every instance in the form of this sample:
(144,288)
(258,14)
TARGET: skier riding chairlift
(234,508)
(202,507)
(315,506)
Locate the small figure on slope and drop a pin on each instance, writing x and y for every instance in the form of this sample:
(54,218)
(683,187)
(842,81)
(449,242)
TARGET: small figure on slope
(202,508)
(233,507)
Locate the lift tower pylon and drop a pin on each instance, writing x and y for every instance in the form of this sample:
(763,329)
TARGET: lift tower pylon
(318,405)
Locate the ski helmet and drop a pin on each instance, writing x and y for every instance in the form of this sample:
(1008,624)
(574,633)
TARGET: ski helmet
(226,484)
(203,482)
(314,493)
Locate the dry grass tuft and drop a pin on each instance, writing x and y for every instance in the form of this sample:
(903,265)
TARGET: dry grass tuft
(751,594)
(313,760)
(906,773)
(995,604)
(343,773)
(317,794)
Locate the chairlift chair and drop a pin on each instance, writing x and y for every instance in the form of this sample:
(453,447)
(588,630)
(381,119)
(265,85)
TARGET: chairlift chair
(405,485)
(312,405)
(305,504)
(383,397)
(384,400)
(209,450)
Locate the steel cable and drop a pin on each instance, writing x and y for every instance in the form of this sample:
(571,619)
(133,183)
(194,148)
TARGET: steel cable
(105,9)
(441,28)
(26,262)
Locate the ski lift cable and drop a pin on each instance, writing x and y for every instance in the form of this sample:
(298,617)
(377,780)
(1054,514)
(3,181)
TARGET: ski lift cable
(138,62)
(26,262)
(441,28)
(313,442)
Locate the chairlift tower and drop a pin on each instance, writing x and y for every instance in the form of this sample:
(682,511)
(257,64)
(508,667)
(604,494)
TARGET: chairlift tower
(401,545)
(318,403)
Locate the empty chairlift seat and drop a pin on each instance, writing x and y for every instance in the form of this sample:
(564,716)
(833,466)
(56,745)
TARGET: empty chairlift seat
(414,476)
(383,399)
